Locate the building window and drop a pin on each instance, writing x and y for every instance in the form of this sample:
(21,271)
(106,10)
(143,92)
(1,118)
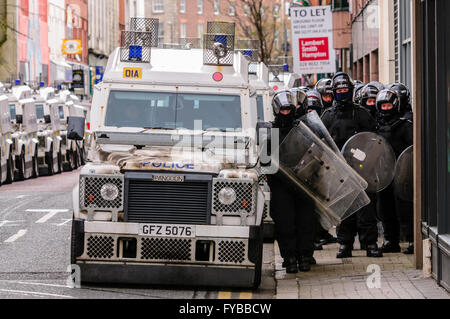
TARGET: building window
(199,6)
(276,10)
(287,6)
(339,5)
(216,7)
(200,30)
(161,32)
(182,6)
(232,9)
(158,6)
(246,10)
(183,30)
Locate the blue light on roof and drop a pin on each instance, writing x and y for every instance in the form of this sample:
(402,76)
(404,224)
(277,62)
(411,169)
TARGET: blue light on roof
(42,84)
(135,52)
(17,82)
(221,39)
(248,53)
(286,67)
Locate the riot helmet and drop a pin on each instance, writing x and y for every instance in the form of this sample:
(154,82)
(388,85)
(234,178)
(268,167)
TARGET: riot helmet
(314,102)
(388,104)
(377,84)
(369,98)
(284,105)
(325,88)
(404,96)
(343,88)
(304,88)
(357,93)
(301,99)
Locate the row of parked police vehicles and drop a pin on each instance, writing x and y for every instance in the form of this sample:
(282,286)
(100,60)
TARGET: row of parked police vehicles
(33,132)
(174,190)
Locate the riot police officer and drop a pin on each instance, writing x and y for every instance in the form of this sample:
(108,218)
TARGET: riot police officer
(292,212)
(393,211)
(405,99)
(369,98)
(325,88)
(344,120)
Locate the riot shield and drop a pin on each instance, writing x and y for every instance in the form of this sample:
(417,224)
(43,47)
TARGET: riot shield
(315,124)
(404,176)
(315,170)
(373,158)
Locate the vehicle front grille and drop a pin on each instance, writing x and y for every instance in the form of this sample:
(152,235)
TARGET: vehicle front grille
(231,251)
(166,249)
(245,196)
(101,247)
(151,201)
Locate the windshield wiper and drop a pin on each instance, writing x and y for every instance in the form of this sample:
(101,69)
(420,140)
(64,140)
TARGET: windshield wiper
(158,128)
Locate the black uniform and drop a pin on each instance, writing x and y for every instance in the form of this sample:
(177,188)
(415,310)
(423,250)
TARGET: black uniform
(344,120)
(395,213)
(293,214)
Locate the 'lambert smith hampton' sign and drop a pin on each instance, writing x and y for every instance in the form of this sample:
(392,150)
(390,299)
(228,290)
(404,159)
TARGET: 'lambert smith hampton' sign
(312,40)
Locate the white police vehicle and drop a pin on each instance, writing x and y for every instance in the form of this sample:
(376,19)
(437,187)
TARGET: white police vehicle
(171,192)
(6,141)
(25,141)
(72,151)
(50,142)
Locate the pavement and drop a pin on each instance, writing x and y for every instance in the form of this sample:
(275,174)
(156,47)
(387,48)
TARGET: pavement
(391,277)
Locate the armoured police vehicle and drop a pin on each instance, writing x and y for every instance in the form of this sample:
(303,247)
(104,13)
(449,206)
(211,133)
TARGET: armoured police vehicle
(68,106)
(6,141)
(25,141)
(50,141)
(171,193)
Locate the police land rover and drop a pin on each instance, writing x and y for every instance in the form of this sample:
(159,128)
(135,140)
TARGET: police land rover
(171,192)
(68,106)
(6,148)
(25,141)
(50,141)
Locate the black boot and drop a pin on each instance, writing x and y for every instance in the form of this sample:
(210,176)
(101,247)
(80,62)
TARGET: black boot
(304,264)
(328,239)
(291,265)
(390,247)
(345,251)
(373,251)
(409,250)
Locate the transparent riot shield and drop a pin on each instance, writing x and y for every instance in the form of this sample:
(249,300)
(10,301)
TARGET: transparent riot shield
(373,158)
(404,176)
(314,169)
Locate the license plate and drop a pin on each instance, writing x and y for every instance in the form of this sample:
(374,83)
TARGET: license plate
(161,230)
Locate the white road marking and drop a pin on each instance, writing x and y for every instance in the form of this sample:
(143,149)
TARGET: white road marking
(4,223)
(63,223)
(21,196)
(51,213)
(19,234)
(36,293)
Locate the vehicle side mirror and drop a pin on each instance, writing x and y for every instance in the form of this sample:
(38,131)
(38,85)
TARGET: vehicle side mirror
(47,119)
(75,128)
(19,119)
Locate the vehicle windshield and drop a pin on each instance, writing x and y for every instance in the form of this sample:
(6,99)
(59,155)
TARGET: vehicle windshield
(12,111)
(173,110)
(39,111)
(260,108)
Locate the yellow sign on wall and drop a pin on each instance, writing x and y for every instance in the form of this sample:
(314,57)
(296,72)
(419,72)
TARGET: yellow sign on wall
(71,46)
(132,73)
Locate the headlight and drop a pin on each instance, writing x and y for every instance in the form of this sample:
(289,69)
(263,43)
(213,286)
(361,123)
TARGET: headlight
(109,192)
(227,196)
